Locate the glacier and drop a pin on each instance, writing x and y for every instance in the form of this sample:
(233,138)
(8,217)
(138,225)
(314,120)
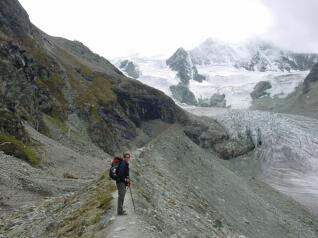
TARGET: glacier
(287,148)
(235,83)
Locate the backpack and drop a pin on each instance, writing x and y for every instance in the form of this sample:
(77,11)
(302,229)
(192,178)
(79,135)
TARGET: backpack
(113,171)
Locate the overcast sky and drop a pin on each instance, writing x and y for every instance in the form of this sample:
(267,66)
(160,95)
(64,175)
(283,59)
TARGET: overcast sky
(116,28)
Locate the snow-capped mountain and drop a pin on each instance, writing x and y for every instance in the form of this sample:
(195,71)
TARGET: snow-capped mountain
(224,75)
(181,62)
(255,55)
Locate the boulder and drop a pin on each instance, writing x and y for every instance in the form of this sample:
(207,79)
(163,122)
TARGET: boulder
(216,100)
(260,89)
(183,94)
(205,134)
(233,148)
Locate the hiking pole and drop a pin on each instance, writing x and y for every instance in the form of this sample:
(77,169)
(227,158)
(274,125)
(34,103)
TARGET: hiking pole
(132,199)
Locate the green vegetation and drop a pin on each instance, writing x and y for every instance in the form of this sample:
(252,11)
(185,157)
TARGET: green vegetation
(58,123)
(98,92)
(88,216)
(11,146)
(67,58)
(90,94)
(2,39)
(53,85)
(42,57)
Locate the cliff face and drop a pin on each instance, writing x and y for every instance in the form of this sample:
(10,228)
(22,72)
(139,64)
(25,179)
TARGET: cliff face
(42,76)
(311,80)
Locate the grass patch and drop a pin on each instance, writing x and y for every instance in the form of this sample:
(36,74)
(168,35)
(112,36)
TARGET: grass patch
(12,146)
(54,85)
(91,94)
(84,221)
(98,92)
(58,123)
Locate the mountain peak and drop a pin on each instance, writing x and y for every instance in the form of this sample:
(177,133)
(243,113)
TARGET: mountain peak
(253,55)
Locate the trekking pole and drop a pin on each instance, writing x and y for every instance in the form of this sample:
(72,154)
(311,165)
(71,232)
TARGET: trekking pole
(132,199)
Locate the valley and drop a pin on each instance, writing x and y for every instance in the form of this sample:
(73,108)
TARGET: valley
(223,138)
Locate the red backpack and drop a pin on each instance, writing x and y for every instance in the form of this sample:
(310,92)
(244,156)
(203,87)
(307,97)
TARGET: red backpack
(114,167)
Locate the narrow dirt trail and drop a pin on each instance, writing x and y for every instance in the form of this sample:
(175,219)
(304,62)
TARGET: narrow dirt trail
(129,226)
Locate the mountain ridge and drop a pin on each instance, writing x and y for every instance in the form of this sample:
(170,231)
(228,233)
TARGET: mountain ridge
(253,55)
(62,77)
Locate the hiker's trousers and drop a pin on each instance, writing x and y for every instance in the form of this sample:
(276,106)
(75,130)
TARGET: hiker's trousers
(121,186)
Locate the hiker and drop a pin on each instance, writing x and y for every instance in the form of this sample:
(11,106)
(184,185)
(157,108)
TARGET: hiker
(122,181)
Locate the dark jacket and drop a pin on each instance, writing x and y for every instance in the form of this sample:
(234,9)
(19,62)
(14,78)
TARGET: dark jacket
(122,171)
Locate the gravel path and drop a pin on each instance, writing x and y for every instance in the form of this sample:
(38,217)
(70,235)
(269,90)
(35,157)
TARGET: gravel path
(130,226)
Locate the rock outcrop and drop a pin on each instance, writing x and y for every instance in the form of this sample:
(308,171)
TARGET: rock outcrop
(216,100)
(182,94)
(311,79)
(211,135)
(130,68)
(260,89)
(181,62)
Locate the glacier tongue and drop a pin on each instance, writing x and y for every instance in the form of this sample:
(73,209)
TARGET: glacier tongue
(288,150)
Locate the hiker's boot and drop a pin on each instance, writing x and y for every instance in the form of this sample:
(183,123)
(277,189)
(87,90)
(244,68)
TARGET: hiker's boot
(124,213)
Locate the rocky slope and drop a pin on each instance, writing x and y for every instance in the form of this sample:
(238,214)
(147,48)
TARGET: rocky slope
(222,202)
(42,75)
(194,194)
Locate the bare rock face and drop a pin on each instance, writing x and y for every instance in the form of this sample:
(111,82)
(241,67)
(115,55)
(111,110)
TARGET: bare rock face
(21,90)
(233,148)
(216,100)
(183,94)
(14,19)
(130,68)
(311,79)
(260,89)
(205,135)
(212,136)
(181,62)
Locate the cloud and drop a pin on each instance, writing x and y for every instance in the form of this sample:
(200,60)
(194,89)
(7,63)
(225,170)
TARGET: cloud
(121,27)
(294,24)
